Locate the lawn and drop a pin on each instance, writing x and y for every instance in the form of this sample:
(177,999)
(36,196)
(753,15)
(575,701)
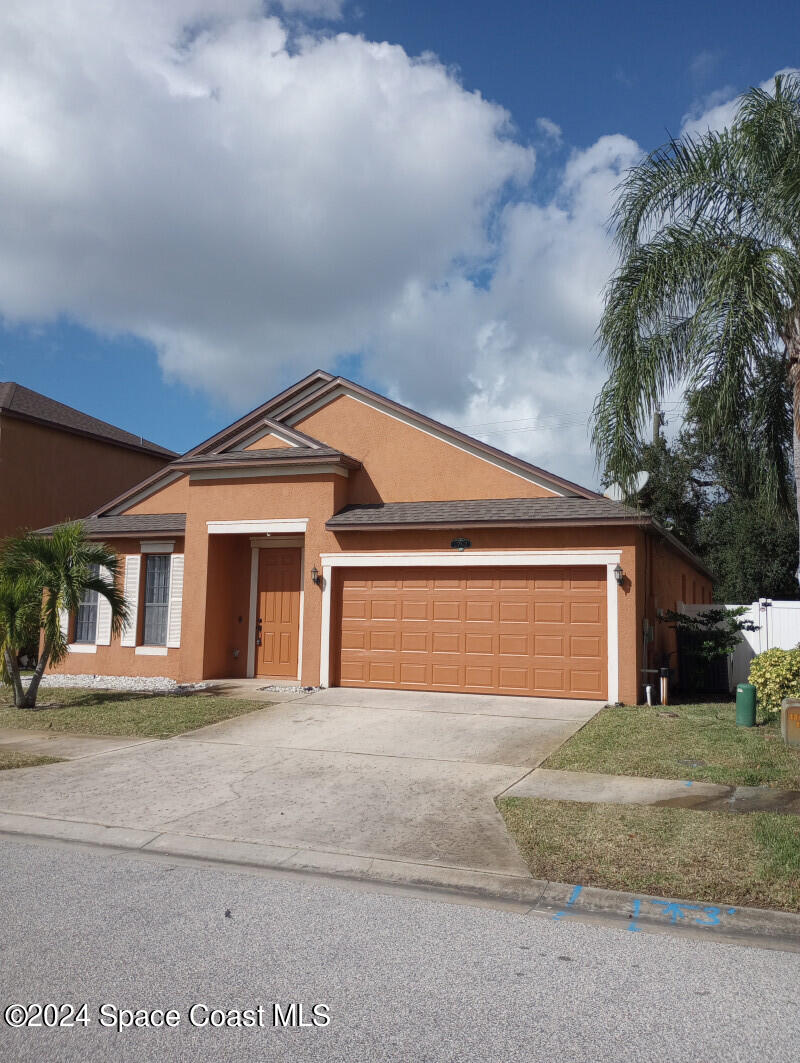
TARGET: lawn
(9,758)
(107,712)
(697,742)
(716,857)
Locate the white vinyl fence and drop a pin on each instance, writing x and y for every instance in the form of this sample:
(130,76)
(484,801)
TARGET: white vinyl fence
(778,625)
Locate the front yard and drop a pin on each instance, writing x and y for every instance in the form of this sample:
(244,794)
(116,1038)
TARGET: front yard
(748,859)
(697,742)
(715,857)
(107,712)
(10,758)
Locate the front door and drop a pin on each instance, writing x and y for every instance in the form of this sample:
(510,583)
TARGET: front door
(278,616)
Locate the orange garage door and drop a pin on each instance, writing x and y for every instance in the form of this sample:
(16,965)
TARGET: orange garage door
(538,631)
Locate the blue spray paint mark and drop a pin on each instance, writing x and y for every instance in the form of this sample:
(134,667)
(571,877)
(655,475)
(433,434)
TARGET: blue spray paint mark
(573,897)
(731,911)
(687,784)
(637,905)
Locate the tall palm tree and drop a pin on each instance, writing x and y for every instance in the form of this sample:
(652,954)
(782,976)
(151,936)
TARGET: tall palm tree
(707,293)
(51,574)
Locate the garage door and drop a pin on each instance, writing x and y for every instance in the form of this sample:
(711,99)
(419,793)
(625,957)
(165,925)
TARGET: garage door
(539,631)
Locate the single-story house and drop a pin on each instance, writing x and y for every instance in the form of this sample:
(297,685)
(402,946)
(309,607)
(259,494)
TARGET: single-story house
(57,463)
(335,537)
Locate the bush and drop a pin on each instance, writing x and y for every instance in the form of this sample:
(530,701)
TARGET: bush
(776,675)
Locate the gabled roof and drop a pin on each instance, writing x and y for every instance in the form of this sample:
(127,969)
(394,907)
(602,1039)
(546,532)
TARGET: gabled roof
(142,524)
(26,405)
(280,414)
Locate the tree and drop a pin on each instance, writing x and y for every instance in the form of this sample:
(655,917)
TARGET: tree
(41,577)
(707,293)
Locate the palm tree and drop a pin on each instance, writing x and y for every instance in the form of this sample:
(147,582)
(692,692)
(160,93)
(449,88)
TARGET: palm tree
(707,293)
(49,575)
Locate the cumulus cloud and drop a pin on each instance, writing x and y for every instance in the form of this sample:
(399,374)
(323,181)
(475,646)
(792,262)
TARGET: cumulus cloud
(255,202)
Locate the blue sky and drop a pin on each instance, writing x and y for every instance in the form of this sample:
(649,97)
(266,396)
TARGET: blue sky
(110,318)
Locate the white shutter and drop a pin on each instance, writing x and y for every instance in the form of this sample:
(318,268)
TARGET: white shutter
(175,601)
(63,622)
(131,591)
(103,632)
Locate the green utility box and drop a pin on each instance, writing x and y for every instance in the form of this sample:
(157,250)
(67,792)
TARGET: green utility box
(745,705)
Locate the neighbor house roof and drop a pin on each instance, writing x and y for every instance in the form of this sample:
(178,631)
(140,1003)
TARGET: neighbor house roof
(484,512)
(131,524)
(22,403)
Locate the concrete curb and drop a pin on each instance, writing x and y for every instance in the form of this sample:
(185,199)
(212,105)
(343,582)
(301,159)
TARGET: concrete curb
(754,927)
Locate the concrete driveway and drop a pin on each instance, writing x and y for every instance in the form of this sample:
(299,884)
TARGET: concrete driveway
(343,775)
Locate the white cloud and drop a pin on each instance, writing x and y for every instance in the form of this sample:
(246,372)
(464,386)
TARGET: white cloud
(256,204)
(550,130)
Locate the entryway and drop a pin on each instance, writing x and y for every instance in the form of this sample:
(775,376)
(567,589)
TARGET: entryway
(277,631)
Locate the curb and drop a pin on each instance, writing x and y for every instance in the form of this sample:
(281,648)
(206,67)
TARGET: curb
(753,927)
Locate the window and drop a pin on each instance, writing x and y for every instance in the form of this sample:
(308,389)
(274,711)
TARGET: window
(86,616)
(156,599)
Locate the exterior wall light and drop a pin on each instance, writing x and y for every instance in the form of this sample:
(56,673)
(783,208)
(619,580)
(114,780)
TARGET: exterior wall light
(315,576)
(619,575)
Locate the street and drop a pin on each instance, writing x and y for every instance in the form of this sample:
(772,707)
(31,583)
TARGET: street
(401,978)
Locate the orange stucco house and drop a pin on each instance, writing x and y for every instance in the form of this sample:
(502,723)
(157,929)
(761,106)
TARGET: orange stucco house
(57,463)
(335,537)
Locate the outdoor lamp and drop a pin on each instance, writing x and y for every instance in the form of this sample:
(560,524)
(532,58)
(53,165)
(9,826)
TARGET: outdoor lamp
(619,575)
(315,576)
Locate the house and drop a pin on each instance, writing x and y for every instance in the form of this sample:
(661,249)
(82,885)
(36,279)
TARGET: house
(335,537)
(57,463)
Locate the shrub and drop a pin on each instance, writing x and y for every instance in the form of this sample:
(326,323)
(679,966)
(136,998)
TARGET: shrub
(776,675)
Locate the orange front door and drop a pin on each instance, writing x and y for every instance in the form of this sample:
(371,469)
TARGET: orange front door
(278,617)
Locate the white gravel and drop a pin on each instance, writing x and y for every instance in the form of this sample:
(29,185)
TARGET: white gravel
(284,688)
(151,684)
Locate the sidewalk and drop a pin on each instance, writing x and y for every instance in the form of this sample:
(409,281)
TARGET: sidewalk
(594,788)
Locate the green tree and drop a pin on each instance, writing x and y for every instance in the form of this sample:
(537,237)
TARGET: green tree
(40,578)
(707,293)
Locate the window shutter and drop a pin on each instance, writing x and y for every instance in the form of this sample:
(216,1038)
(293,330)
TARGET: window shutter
(131,591)
(63,622)
(103,635)
(175,601)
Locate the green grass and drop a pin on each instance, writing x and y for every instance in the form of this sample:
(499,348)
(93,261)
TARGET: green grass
(105,712)
(698,742)
(716,857)
(10,758)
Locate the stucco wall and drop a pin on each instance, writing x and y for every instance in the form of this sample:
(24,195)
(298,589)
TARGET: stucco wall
(48,476)
(404,464)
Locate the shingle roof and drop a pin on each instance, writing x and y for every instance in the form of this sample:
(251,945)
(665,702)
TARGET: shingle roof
(274,455)
(31,406)
(486,511)
(131,524)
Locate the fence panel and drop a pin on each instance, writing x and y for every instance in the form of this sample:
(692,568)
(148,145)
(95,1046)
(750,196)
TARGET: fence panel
(778,625)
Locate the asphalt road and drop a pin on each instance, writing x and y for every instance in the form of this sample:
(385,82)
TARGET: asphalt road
(403,978)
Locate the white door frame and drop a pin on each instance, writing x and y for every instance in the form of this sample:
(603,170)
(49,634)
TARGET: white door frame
(471,559)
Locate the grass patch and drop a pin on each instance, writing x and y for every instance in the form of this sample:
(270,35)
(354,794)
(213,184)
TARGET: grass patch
(108,712)
(699,742)
(10,758)
(715,857)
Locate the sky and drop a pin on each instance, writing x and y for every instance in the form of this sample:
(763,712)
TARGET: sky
(201,201)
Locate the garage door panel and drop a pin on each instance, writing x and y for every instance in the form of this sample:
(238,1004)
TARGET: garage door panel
(524,631)
(415,609)
(446,642)
(586,613)
(548,645)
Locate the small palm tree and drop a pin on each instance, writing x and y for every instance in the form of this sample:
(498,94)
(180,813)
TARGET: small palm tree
(46,576)
(707,293)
